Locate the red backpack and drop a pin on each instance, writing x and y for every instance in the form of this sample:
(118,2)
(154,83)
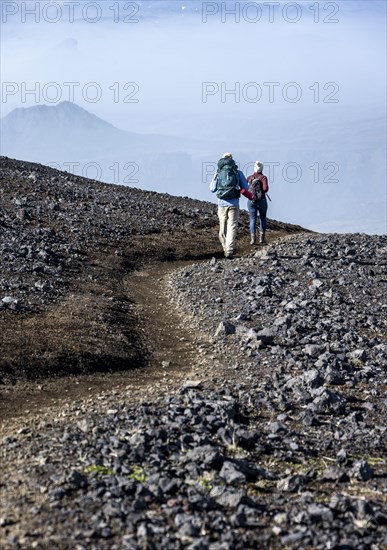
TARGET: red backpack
(256,189)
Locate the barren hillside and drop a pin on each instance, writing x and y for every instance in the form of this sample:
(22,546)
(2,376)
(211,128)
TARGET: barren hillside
(156,396)
(66,245)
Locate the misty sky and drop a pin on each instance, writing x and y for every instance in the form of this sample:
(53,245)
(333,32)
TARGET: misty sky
(300,82)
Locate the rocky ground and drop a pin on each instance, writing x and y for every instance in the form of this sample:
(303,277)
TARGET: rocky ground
(265,425)
(302,328)
(67,245)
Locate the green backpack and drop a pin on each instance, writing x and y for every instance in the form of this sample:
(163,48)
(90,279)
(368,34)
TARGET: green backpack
(228,180)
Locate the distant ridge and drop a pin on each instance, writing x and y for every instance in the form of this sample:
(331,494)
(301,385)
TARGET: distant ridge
(67,131)
(65,112)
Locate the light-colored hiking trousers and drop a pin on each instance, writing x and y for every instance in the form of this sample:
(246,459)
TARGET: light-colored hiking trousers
(228,226)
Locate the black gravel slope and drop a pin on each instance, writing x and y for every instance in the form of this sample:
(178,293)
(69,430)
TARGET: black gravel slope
(283,446)
(66,245)
(53,223)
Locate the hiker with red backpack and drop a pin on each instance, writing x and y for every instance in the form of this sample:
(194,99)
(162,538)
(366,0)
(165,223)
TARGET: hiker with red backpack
(229,183)
(258,187)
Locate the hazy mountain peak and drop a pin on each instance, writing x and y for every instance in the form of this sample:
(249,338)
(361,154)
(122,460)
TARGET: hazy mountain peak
(68,133)
(65,112)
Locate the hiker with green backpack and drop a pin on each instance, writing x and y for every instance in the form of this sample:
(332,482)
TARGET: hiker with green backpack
(258,205)
(229,183)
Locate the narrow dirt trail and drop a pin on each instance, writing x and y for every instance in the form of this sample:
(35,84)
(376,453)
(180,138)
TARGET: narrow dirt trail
(175,354)
(173,347)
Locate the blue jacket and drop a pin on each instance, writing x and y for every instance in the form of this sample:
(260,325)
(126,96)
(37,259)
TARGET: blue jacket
(230,202)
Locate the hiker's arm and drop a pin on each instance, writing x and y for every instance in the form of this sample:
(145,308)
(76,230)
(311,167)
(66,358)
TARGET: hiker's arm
(244,186)
(242,181)
(214,182)
(247,194)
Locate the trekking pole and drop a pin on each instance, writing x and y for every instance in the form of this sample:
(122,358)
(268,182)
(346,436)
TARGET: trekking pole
(268,197)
